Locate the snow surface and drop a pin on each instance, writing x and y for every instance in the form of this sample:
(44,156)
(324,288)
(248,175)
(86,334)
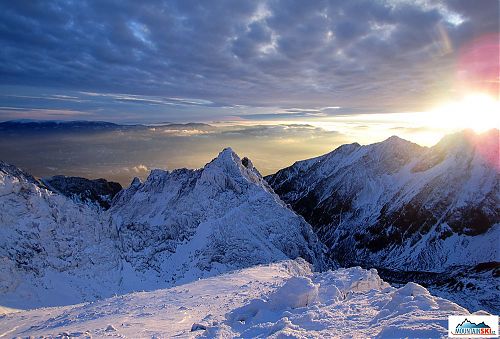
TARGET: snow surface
(278,300)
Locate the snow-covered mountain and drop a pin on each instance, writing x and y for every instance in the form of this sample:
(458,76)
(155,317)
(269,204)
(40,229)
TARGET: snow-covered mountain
(175,227)
(429,215)
(53,250)
(283,299)
(400,206)
(193,223)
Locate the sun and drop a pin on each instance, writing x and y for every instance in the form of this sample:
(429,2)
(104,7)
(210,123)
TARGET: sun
(479,112)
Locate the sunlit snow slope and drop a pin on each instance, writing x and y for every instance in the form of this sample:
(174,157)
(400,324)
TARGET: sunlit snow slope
(277,300)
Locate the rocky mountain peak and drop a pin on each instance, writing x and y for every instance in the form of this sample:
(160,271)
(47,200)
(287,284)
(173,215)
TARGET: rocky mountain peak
(229,170)
(136,182)
(395,144)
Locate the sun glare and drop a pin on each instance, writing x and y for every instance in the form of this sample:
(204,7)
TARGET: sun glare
(478,112)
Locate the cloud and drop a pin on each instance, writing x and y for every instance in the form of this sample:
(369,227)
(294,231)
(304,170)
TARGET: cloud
(185,132)
(140,169)
(148,99)
(297,132)
(162,58)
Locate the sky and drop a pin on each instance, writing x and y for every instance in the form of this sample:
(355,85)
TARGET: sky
(360,69)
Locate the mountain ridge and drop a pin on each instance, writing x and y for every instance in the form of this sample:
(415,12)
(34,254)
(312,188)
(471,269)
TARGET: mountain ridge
(406,207)
(34,123)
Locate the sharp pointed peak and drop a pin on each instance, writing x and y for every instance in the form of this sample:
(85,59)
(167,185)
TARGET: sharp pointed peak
(227,156)
(136,182)
(231,165)
(227,152)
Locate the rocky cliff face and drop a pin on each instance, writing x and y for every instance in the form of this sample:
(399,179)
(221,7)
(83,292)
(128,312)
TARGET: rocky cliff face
(428,215)
(99,191)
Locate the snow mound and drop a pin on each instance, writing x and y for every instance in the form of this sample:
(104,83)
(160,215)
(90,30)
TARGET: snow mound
(296,292)
(413,297)
(354,279)
(346,302)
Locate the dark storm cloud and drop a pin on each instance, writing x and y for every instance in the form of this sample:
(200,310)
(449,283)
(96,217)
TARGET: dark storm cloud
(381,55)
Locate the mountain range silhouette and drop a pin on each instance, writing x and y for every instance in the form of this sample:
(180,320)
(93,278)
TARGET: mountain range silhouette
(468,324)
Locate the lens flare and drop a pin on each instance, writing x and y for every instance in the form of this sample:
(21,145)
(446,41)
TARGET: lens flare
(478,68)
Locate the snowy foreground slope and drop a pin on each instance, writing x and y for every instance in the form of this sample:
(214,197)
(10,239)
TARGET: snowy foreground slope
(176,227)
(276,300)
